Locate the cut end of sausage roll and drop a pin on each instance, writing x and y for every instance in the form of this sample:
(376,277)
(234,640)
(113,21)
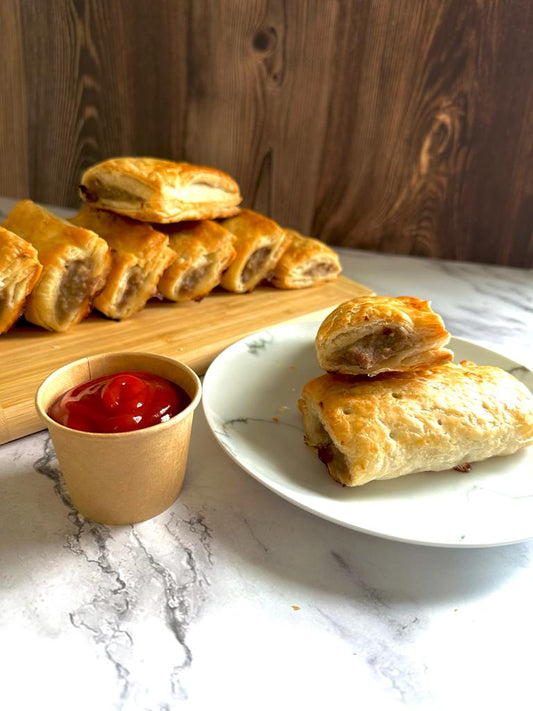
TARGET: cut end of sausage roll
(259,245)
(306,262)
(375,334)
(139,256)
(20,270)
(75,262)
(204,250)
(161,191)
(430,420)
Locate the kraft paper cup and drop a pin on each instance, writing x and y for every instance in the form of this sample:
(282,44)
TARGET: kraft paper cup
(125,477)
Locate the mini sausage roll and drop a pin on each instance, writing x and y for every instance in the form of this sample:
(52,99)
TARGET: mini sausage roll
(20,270)
(204,250)
(306,262)
(139,257)
(374,334)
(155,190)
(259,245)
(400,423)
(75,264)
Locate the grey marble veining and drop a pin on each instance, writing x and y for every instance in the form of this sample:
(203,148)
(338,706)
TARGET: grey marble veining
(235,596)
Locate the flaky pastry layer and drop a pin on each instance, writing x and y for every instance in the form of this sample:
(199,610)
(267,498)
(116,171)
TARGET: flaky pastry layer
(20,270)
(204,250)
(139,257)
(375,334)
(259,244)
(161,191)
(365,429)
(306,262)
(75,262)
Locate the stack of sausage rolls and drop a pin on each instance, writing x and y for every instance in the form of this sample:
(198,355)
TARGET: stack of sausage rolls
(392,402)
(147,227)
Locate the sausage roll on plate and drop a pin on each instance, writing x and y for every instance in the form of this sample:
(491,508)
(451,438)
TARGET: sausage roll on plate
(400,423)
(374,334)
(156,190)
(204,250)
(259,245)
(75,262)
(20,270)
(306,262)
(139,256)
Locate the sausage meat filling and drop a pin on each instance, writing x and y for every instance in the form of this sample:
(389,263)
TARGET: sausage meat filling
(256,262)
(135,281)
(376,347)
(77,286)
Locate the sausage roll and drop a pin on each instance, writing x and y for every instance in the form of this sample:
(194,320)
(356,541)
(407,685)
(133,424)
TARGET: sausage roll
(20,270)
(139,257)
(259,245)
(155,190)
(374,334)
(401,423)
(204,250)
(306,262)
(75,264)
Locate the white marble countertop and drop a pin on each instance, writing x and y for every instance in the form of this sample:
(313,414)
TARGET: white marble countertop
(236,597)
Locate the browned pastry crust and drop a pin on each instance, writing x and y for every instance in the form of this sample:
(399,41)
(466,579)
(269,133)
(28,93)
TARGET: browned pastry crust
(75,265)
(162,191)
(306,262)
(20,270)
(375,334)
(259,245)
(204,250)
(400,423)
(139,256)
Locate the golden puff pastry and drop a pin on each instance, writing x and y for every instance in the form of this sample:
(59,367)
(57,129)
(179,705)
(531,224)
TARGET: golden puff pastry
(204,250)
(259,245)
(306,262)
(375,334)
(400,423)
(20,270)
(156,190)
(75,264)
(139,257)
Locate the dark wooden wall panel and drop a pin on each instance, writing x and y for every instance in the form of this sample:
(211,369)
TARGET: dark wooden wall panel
(401,126)
(14,128)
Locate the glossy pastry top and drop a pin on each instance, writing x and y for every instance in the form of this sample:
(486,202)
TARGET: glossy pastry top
(123,234)
(250,224)
(367,309)
(157,190)
(48,232)
(429,420)
(14,247)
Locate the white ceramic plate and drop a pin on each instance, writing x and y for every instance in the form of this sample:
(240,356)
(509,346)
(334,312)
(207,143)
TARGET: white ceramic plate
(250,395)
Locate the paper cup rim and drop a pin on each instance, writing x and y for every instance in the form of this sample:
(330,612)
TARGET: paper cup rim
(144,431)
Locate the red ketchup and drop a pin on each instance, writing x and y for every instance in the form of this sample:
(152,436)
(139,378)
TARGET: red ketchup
(120,402)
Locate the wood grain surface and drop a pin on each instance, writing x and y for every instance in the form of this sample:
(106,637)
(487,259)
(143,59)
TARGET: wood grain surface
(401,126)
(193,332)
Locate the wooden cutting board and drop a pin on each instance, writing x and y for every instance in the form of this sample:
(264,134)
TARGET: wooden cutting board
(194,333)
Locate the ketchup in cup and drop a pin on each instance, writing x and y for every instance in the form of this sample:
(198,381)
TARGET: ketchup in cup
(120,402)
